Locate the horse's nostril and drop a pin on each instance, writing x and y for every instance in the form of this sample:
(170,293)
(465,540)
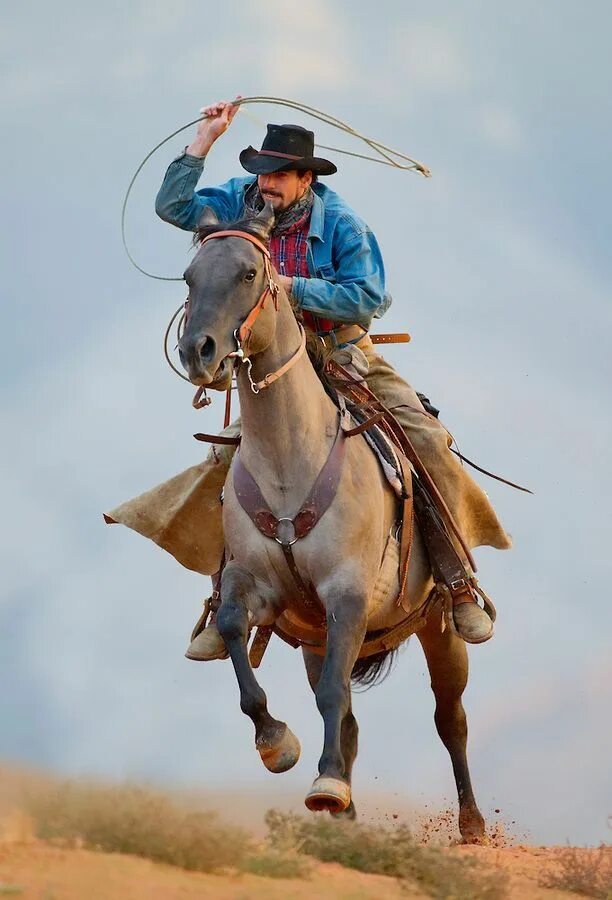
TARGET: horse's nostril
(207,350)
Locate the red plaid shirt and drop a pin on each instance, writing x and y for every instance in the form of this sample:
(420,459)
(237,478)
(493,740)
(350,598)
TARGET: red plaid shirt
(289,252)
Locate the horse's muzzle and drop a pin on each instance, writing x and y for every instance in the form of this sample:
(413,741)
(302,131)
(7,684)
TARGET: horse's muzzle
(196,357)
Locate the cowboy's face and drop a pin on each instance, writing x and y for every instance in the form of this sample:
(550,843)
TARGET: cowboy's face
(283,189)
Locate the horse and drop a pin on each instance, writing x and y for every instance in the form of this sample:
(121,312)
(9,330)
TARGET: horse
(236,310)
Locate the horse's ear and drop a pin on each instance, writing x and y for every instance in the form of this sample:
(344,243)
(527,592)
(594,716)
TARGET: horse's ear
(264,221)
(208,217)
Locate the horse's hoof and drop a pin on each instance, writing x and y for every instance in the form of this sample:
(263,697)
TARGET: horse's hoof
(283,754)
(331,794)
(472,827)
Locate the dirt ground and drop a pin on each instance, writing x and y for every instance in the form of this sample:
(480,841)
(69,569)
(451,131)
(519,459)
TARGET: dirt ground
(37,871)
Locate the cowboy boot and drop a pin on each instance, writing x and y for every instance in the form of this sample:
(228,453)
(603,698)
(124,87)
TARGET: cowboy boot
(207,645)
(473,624)
(206,642)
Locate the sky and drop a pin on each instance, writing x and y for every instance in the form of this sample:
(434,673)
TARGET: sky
(500,269)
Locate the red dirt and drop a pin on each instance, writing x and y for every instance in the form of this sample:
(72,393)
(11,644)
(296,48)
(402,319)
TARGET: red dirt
(35,870)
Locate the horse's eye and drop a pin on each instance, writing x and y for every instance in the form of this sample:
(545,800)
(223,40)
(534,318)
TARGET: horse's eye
(250,276)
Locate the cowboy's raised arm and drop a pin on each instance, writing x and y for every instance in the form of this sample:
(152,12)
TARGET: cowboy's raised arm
(177,201)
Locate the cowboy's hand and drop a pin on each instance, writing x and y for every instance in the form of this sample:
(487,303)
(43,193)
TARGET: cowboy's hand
(217,119)
(286,282)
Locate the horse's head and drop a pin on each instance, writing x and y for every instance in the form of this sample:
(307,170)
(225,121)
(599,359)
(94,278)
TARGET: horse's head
(226,278)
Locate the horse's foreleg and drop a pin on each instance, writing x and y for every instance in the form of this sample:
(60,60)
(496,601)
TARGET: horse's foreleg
(277,745)
(447,662)
(349,732)
(346,625)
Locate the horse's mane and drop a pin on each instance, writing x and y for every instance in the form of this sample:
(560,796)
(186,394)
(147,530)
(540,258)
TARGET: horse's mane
(316,349)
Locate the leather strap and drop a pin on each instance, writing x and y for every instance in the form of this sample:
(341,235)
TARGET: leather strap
(241,234)
(490,474)
(279,154)
(397,338)
(271,288)
(343,335)
(446,565)
(353,333)
(315,639)
(227,415)
(313,610)
(259,644)
(407,532)
(369,423)
(218,438)
(271,377)
(286,530)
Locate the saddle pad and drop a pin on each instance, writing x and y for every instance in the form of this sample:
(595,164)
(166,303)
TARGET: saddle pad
(383,450)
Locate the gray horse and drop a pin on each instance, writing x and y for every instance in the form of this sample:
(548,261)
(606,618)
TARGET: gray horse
(287,434)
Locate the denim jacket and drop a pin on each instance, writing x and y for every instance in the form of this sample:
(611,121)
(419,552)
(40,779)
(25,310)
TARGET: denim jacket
(347,282)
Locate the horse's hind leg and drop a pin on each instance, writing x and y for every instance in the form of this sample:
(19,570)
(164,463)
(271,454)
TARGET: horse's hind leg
(346,624)
(447,661)
(277,745)
(349,732)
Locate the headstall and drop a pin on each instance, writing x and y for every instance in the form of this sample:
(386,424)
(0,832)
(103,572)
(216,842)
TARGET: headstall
(244,334)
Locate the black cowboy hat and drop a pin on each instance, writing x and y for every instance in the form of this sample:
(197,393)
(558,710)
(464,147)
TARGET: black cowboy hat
(285,147)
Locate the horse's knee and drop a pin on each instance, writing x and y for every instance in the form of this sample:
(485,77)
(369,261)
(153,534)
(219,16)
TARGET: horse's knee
(232,621)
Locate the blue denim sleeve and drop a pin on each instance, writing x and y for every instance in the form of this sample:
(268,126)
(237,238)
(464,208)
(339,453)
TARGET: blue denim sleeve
(178,202)
(357,292)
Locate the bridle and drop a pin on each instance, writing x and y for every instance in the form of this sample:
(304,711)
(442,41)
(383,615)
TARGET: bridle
(244,334)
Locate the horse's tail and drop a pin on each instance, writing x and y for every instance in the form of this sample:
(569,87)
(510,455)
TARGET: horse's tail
(373,669)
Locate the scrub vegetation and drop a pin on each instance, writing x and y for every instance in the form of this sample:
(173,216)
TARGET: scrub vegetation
(586,872)
(147,823)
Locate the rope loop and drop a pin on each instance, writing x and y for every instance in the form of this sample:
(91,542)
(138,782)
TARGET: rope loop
(385,157)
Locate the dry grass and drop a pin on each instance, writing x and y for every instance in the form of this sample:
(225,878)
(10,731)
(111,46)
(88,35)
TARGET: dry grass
(137,821)
(158,826)
(380,851)
(587,873)
(274,863)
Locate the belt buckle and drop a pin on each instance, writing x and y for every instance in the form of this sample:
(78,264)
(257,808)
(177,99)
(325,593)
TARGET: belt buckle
(458,585)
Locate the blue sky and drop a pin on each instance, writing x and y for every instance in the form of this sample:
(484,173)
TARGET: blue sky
(500,268)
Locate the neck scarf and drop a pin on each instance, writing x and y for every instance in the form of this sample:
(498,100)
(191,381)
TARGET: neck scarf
(254,203)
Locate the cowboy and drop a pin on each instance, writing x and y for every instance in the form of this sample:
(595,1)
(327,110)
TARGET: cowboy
(328,259)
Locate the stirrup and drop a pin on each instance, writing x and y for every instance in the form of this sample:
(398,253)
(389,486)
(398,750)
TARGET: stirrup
(448,602)
(210,605)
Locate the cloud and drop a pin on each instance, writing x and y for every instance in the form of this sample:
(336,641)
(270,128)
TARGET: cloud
(500,127)
(426,56)
(309,48)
